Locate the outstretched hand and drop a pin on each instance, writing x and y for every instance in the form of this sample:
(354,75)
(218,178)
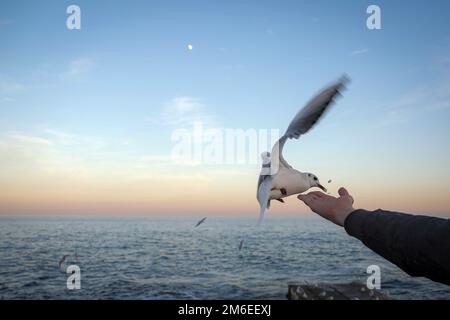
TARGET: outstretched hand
(334,209)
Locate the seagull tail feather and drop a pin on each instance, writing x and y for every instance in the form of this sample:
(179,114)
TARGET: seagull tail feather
(261,215)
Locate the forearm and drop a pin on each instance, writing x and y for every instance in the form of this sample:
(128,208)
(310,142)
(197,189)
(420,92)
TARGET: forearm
(419,245)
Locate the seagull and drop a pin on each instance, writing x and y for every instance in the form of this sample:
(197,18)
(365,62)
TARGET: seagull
(63,260)
(241,244)
(200,222)
(277,178)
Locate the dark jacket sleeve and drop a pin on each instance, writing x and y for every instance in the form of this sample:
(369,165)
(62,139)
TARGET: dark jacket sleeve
(419,245)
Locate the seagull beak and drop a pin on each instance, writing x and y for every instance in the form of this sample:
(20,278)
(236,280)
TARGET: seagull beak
(322,187)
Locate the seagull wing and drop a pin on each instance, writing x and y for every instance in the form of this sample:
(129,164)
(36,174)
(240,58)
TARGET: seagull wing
(63,260)
(263,196)
(305,119)
(200,222)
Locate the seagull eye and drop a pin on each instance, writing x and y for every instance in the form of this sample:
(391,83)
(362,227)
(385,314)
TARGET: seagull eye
(309,175)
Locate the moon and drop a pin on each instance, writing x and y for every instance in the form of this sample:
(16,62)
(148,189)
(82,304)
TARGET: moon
(190,47)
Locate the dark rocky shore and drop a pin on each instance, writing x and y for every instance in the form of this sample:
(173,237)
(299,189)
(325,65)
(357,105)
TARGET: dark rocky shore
(349,291)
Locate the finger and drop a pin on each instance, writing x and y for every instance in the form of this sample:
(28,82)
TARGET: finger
(306,198)
(343,192)
(351,198)
(317,194)
(314,197)
(302,197)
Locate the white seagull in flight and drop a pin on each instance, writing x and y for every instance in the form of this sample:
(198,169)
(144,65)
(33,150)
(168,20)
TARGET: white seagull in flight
(278,179)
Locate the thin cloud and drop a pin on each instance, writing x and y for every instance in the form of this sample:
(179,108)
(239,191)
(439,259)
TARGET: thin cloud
(441,105)
(5,22)
(167,160)
(29,139)
(77,67)
(444,60)
(50,153)
(359,52)
(183,111)
(10,86)
(155,158)
(270,32)
(233,66)
(398,110)
(69,139)
(19,151)
(430,99)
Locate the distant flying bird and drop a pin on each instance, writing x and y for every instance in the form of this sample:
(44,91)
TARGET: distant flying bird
(278,179)
(63,260)
(200,222)
(329,181)
(241,244)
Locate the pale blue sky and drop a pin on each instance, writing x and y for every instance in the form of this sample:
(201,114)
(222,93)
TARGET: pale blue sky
(253,64)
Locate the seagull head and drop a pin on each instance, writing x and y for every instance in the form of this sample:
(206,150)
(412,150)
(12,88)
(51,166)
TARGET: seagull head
(314,181)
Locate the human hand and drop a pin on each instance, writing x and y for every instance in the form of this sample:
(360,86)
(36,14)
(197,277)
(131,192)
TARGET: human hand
(334,209)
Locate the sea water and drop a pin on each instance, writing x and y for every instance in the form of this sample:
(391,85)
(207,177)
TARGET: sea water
(168,258)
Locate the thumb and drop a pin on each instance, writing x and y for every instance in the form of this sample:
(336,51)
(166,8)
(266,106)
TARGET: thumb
(343,192)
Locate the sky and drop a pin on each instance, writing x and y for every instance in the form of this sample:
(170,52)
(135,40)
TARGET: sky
(89,118)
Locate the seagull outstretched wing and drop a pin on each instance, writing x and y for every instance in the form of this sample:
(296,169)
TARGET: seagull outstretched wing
(305,119)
